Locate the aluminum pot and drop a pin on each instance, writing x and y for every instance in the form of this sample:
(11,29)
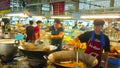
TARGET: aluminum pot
(6,36)
(7,49)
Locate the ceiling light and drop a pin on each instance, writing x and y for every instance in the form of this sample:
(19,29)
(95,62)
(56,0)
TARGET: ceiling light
(17,14)
(39,17)
(101,16)
(62,17)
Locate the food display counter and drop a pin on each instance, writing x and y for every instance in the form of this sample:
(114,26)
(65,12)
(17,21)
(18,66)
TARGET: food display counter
(114,55)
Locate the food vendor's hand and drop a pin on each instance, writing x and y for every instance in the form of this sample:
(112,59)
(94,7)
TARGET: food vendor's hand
(45,37)
(43,32)
(49,37)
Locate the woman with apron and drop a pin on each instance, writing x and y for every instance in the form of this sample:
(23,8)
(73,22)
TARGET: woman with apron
(96,41)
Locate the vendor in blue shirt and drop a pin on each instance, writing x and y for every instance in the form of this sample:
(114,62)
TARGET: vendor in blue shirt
(57,33)
(96,41)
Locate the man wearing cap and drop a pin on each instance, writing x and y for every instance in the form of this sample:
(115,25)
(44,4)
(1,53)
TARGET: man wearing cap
(96,41)
(57,33)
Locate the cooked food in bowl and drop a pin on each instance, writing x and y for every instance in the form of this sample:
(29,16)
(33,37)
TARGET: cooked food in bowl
(72,64)
(40,47)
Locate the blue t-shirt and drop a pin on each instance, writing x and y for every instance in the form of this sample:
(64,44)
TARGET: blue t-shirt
(56,32)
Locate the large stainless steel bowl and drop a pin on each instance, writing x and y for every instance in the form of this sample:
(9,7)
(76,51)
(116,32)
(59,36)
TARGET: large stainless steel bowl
(70,56)
(7,49)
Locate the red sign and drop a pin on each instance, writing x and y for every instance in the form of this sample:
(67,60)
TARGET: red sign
(58,8)
(4,4)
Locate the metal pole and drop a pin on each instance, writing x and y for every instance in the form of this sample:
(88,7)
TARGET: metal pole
(76,6)
(17,6)
(112,3)
(12,5)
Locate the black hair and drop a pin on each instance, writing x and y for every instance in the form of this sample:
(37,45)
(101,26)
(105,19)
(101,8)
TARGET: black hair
(57,21)
(31,22)
(99,22)
(39,22)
